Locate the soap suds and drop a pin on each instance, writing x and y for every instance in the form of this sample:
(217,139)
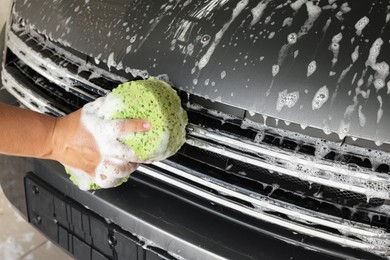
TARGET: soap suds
(286,99)
(362,117)
(381,69)
(355,54)
(275,70)
(311,68)
(106,133)
(335,47)
(320,98)
(292,38)
(258,10)
(361,24)
(380,110)
(236,11)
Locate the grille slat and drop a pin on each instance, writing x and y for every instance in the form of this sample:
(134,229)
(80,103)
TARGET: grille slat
(261,205)
(47,68)
(67,100)
(305,168)
(25,96)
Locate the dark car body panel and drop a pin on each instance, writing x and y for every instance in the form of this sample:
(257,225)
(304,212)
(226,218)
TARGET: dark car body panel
(238,53)
(234,56)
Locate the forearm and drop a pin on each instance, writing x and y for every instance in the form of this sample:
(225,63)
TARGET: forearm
(72,142)
(25,133)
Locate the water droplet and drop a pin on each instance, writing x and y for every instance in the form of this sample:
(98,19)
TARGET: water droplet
(223,74)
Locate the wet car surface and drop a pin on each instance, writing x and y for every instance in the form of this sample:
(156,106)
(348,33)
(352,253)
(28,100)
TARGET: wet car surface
(287,142)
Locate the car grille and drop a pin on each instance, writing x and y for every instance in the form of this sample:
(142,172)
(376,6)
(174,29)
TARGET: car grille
(310,186)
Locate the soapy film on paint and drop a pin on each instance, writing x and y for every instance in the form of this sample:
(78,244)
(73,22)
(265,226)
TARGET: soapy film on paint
(256,15)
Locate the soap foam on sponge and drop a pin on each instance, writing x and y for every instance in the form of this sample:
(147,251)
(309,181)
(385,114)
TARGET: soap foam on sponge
(152,100)
(157,102)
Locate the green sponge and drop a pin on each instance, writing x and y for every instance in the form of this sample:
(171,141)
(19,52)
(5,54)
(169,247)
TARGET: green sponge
(152,100)
(156,101)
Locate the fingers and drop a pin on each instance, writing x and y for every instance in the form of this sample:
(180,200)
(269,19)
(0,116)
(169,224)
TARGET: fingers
(133,125)
(106,182)
(108,174)
(120,151)
(114,168)
(121,127)
(111,172)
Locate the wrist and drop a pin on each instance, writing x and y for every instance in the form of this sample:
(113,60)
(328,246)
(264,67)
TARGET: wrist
(54,139)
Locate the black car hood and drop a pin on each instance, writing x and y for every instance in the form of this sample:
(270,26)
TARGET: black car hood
(322,64)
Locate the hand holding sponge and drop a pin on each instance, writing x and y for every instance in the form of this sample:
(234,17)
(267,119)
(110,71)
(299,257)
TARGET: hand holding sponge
(152,100)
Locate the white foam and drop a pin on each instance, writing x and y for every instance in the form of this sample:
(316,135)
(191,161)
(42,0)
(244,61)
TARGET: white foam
(374,52)
(128,49)
(223,74)
(163,148)
(337,38)
(313,12)
(361,24)
(236,11)
(257,11)
(362,117)
(355,54)
(115,157)
(345,8)
(380,110)
(133,38)
(297,4)
(326,129)
(335,47)
(286,99)
(275,70)
(381,69)
(311,68)
(344,129)
(320,98)
(296,53)
(378,84)
(287,21)
(111,61)
(292,38)
(388,87)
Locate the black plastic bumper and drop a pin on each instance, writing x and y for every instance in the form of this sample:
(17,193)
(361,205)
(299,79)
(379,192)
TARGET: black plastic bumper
(142,219)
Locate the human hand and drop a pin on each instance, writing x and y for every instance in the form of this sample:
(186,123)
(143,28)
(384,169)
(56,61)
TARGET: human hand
(88,145)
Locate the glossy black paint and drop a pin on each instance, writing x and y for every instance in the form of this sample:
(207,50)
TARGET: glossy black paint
(226,51)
